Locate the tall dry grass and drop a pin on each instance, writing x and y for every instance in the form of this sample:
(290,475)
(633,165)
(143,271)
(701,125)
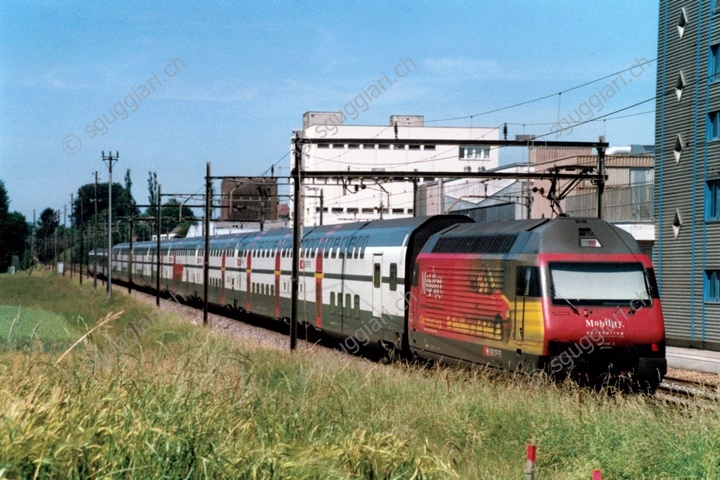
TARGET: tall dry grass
(187,403)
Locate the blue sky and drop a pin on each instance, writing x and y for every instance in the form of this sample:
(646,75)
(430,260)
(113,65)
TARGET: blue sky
(227,82)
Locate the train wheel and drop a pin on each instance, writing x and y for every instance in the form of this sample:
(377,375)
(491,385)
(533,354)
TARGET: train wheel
(645,385)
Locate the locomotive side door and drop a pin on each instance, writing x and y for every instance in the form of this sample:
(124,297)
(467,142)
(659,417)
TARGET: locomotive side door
(527,293)
(377,286)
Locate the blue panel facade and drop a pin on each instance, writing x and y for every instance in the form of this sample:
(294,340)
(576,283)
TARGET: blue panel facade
(687,250)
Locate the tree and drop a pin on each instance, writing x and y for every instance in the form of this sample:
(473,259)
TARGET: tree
(127,199)
(13,230)
(174,214)
(83,210)
(84,205)
(4,200)
(47,224)
(44,232)
(153,194)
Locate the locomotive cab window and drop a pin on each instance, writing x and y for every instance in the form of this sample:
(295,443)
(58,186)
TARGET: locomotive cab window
(598,283)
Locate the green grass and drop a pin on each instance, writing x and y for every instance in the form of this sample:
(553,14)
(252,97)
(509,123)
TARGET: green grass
(183,402)
(20,327)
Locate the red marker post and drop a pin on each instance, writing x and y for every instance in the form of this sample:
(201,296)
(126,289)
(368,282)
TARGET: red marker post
(597,475)
(530,463)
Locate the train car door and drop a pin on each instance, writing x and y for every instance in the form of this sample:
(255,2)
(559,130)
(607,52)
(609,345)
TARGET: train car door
(318,287)
(248,281)
(527,293)
(222,278)
(276,290)
(377,286)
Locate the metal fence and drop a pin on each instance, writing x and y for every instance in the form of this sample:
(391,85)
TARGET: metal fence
(620,204)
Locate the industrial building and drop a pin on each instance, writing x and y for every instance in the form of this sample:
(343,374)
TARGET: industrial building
(627,199)
(249,199)
(341,202)
(687,172)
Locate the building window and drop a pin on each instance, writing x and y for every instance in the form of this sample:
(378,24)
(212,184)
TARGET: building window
(677,223)
(682,23)
(678,148)
(712,203)
(712,285)
(469,152)
(713,131)
(714,63)
(680,85)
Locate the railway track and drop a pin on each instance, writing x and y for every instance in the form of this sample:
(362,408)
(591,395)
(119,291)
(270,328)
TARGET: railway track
(688,393)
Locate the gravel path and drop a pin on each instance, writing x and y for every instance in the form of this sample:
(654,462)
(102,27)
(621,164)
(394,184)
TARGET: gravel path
(219,323)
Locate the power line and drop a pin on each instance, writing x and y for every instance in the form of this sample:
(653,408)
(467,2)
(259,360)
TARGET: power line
(274,165)
(535,99)
(594,119)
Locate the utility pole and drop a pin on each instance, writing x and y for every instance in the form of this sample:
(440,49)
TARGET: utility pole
(130,255)
(95,243)
(158,233)
(206,232)
(72,236)
(601,181)
(82,237)
(297,224)
(110,160)
(32,248)
(57,217)
(65,262)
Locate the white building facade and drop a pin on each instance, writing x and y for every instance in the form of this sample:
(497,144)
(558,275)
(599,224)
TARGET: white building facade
(344,201)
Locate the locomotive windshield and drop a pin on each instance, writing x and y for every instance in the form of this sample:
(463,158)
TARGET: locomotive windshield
(598,283)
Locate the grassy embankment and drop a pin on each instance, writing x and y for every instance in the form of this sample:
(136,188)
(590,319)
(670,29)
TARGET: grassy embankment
(180,402)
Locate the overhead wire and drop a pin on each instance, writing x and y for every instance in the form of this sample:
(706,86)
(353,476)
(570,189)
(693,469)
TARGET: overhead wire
(544,97)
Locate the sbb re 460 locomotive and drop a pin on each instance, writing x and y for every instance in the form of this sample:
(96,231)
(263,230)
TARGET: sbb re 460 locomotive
(567,296)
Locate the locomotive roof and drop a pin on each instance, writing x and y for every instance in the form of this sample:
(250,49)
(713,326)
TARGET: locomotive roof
(389,232)
(559,235)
